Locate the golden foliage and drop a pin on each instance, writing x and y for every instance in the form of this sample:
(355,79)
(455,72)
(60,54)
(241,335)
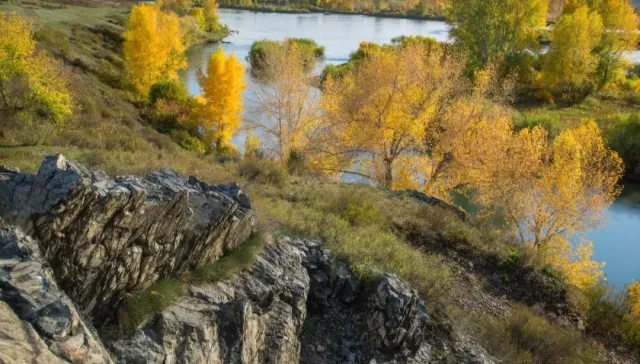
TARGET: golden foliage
(222,87)
(554,188)
(286,108)
(575,264)
(210,8)
(153,48)
(619,34)
(571,64)
(382,110)
(28,78)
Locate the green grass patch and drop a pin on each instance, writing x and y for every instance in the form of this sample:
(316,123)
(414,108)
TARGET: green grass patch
(230,265)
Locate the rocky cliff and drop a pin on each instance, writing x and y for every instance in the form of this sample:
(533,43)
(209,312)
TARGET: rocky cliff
(103,238)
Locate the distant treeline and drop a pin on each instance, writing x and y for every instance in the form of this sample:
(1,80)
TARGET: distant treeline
(397,7)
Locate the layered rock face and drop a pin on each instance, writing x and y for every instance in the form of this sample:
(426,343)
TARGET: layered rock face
(106,237)
(38,322)
(297,304)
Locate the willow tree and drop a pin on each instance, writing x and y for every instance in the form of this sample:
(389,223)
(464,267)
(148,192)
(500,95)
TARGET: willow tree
(221,100)
(488,30)
(153,49)
(286,107)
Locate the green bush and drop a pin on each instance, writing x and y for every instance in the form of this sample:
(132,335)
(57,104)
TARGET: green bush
(310,50)
(169,91)
(606,315)
(263,171)
(187,141)
(623,136)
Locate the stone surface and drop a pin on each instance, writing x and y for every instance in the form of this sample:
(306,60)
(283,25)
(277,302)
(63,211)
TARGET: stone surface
(38,322)
(396,316)
(255,318)
(106,237)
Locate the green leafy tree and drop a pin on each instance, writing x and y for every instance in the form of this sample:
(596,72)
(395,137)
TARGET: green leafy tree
(488,30)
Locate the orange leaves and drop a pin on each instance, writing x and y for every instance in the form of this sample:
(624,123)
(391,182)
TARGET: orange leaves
(222,87)
(153,49)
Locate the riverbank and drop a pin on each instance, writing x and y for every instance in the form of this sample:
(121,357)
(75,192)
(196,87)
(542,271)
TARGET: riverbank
(317,10)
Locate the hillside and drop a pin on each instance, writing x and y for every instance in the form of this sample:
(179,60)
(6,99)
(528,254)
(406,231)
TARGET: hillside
(119,244)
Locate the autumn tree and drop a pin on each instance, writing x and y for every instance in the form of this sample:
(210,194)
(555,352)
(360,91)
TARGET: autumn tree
(488,30)
(571,65)
(550,189)
(29,79)
(620,36)
(210,12)
(153,49)
(286,103)
(222,87)
(381,110)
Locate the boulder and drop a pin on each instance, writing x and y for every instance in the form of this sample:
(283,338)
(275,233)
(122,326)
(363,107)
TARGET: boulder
(38,322)
(106,237)
(397,317)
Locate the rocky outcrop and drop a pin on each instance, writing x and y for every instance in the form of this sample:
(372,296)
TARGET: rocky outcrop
(254,318)
(105,237)
(38,322)
(297,304)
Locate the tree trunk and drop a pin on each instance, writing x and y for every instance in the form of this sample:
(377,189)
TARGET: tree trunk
(388,174)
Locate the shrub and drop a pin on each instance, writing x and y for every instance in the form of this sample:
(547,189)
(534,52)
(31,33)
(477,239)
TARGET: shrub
(623,136)
(525,337)
(169,91)
(187,141)
(263,171)
(355,208)
(308,48)
(612,312)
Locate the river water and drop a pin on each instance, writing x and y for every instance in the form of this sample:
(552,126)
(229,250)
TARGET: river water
(617,244)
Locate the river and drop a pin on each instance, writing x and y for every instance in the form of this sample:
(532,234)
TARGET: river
(617,244)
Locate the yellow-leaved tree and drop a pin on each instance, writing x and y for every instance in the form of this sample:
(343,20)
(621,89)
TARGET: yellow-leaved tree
(286,107)
(222,87)
(153,49)
(381,110)
(552,190)
(569,69)
(210,8)
(28,78)
(619,34)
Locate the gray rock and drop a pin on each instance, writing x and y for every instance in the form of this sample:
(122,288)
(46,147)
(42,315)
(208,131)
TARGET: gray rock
(256,317)
(105,237)
(396,317)
(38,322)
